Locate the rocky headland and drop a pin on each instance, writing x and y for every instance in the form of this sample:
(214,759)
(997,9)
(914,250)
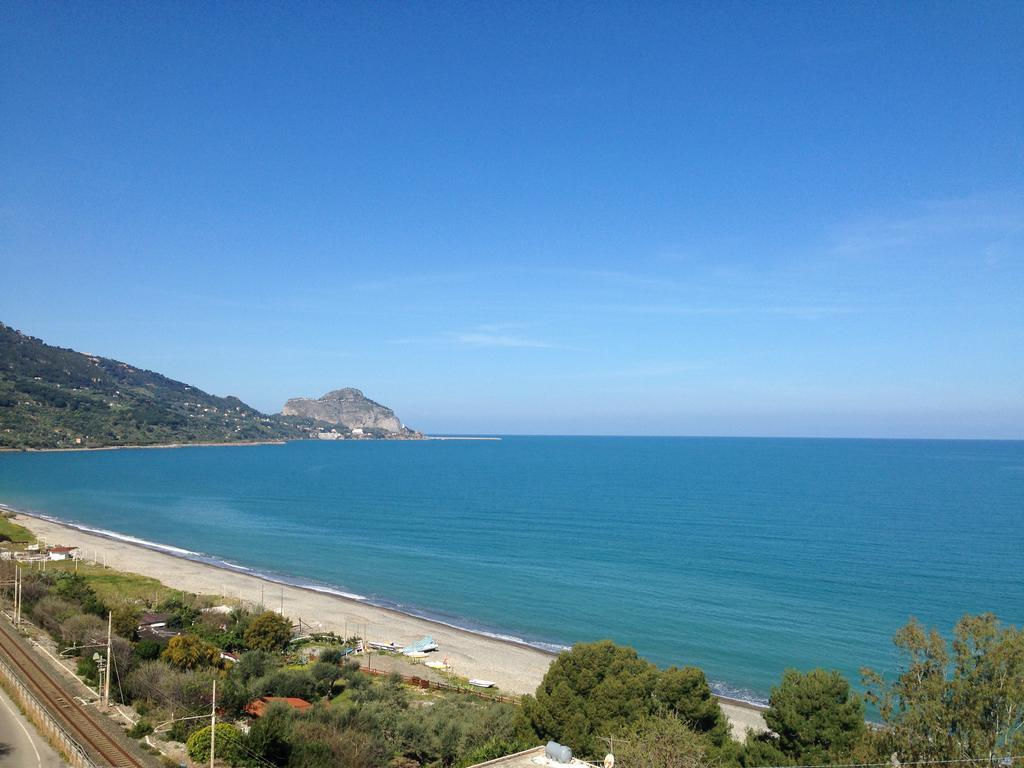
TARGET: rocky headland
(352,413)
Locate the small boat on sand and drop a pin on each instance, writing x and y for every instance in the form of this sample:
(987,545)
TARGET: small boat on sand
(482,683)
(393,647)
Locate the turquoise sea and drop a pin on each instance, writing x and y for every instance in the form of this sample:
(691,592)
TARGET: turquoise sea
(742,556)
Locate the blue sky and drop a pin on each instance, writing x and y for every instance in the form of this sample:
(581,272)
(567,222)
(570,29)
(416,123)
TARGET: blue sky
(710,218)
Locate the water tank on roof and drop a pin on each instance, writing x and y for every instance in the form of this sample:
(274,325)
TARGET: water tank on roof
(558,752)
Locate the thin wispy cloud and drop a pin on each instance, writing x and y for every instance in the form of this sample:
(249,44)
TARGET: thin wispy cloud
(482,339)
(642,371)
(413,281)
(493,335)
(806,311)
(992,216)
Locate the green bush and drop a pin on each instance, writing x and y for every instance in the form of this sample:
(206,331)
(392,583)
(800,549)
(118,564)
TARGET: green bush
(332,656)
(87,670)
(147,650)
(228,747)
(140,729)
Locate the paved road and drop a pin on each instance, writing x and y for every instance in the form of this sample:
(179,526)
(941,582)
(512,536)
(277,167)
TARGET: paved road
(21,746)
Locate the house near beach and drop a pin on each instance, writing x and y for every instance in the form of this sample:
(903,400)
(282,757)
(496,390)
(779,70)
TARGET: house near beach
(154,626)
(62,553)
(154,620)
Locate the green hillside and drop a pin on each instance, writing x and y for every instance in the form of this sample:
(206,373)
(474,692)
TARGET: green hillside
(58,398)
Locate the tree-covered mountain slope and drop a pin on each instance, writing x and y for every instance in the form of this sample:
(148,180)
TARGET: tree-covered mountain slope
(52,397)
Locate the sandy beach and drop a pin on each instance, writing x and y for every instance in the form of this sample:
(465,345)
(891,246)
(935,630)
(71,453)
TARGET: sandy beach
(515,668)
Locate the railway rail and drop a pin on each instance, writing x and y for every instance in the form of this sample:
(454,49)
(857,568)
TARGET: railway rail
(77,720)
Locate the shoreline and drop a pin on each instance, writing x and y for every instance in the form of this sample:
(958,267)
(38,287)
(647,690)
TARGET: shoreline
(514,664)
(241,443)
(222,444)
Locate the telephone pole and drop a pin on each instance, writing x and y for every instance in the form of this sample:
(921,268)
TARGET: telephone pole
(213,723)
(106,679)
(17,595)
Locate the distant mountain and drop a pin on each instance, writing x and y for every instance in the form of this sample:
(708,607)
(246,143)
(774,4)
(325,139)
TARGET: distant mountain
(52,397)
(349,409)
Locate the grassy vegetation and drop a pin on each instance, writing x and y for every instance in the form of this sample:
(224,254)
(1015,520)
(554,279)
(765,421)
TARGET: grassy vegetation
(11,531)
(116,587)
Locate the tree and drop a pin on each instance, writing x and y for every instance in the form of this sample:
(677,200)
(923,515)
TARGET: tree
(271,736)
(815,716)
(126,621)
(147,650)
(51,612)
(296,683)
(189,652)
(685,692)
(228,747)
(964,705)
(268,632)
(83,629)
(590,691)
(253,664)
(662,741)
(761,749)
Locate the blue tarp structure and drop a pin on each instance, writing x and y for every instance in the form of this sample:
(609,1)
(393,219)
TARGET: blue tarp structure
(421,645)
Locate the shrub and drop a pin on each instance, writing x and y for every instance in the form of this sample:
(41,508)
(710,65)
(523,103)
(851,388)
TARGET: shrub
(229,744)
(331,656)
(147,650)
(254,664)
(51,612)
(126,621)
(83,629)
(87,670)
(298,683)
(663,742)
(140,729)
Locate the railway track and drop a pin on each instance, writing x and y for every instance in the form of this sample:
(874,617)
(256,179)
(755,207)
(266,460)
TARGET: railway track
(76,719)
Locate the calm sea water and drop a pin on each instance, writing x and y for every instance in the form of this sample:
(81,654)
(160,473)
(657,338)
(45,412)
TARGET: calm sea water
(742,556)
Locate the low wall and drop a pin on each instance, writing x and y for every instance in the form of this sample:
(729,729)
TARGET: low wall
(42,719)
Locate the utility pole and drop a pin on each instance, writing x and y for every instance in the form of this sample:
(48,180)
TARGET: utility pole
(106,679)
(17,595)
(213,723)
